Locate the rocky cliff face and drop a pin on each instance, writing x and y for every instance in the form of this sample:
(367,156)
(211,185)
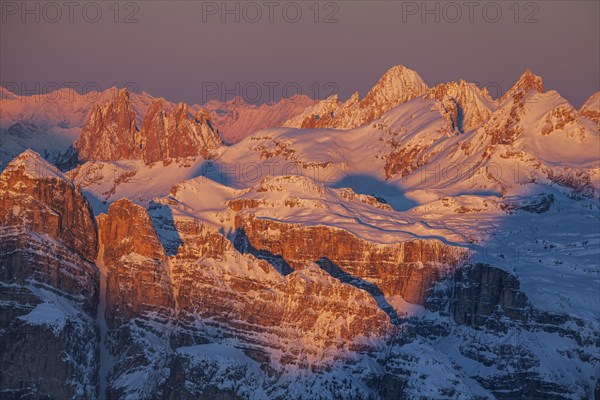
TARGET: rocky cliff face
(111,134)
(407,269)
(48,284)
(169,136)
(490,299)
(191,137)
(591,108)
(208,291)
(483,290)
(465,105)
(155,128)
(268,300)
(528,82)
(38,202)
(135,264)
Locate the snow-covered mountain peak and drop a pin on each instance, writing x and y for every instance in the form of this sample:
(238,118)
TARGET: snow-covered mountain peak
(591,108)
(397,85)
(33,166)
(400,73)
(527,82)
(539,112)
(464,104)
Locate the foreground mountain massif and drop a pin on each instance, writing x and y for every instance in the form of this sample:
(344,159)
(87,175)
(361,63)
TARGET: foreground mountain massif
(418,243)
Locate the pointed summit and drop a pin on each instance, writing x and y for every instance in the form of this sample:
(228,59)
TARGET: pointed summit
(34,166)
(123,93)
(527,82)
(397,85)
(167,136)
(463,104)
(237,100)
(591,108)
(155,106)
(153,133)
(400,71)
(181,113)
(203,117)
(110,132)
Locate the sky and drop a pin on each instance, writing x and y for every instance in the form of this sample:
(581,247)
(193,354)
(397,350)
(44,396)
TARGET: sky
(197,51)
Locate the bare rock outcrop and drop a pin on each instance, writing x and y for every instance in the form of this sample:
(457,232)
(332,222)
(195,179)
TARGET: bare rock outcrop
(110,132)
(137,273)
(407,269)
(48,284)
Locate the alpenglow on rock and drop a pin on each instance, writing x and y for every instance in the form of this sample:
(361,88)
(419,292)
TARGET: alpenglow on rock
(398,85)
(49,284)
(111,134)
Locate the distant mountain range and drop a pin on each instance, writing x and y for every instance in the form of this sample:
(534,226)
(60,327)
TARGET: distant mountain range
(414,243)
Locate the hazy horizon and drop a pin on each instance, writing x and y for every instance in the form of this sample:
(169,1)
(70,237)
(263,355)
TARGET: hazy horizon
(181,50)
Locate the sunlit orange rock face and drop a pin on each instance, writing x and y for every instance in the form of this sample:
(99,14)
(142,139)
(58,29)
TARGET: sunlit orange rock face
(190,137)
(465,105)
(154,127)
(135,264)
(526,83)
(34,195)
(48,242)
(407,269)
(304,313)
(251,296)
(506,131)
(172,135)
(36,199)
(404,160)
(398,85)
(111,134)
(591,108)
